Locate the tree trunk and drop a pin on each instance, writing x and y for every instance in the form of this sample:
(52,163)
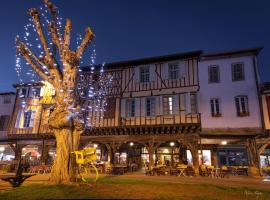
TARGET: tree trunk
(60,171)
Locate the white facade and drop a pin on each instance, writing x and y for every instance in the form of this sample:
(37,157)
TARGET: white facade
(226,90)
(7,101)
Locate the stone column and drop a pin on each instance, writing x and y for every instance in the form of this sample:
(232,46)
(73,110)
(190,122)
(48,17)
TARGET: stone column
(254,169)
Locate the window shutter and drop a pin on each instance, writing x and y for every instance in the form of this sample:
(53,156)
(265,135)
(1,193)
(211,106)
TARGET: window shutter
(19,119)
(136,74)
(32,119)
(137,107)
(159,105)
(165,70)
(2,122)
(187,101)
(143,107)
(6,122)
(182,69)
(123,108)
(152,74)
(176,105)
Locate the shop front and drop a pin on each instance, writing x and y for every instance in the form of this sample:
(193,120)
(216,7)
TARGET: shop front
(232,156)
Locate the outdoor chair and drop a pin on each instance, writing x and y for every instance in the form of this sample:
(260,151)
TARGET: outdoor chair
(266,170)
(203,171)
(224,171)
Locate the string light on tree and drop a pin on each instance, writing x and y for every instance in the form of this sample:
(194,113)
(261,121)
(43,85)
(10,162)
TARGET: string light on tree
(45,47)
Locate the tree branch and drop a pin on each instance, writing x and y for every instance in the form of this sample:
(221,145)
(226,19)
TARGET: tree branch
(23,50)
(67,34)
(89,35)
(35,15)
(55,37)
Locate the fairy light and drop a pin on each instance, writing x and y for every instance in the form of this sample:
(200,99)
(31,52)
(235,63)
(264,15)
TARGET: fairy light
(92,82)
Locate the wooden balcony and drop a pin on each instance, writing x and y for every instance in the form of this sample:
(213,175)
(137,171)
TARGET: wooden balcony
(40,130)
(161,120)
(167,124)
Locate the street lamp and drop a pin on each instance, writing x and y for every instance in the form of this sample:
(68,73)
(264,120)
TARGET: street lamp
(131,144)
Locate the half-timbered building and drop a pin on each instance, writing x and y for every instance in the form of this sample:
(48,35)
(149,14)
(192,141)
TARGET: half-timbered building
(187,107)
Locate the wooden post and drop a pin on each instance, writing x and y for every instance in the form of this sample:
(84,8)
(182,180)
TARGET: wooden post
(214,160)
(45,153)
(17,148)
(254,169)
(182,154)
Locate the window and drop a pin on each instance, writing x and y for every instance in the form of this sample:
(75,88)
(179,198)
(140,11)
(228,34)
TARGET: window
(173,71)
(130,108)
(215,109)
(25,119)
(168,105)
(110,108)
(213,74)
(4,119)
(241,103)
(238,73)
(35,92)
(144,74)
(7,99)
(22,92)
(150,107)
(193,103)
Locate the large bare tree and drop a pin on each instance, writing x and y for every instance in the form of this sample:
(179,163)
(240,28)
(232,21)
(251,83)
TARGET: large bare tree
(59,65)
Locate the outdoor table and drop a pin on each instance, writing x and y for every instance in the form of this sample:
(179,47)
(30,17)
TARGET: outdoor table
(214,172)
(182,171)
(242,171)
(174,171)
(119,170)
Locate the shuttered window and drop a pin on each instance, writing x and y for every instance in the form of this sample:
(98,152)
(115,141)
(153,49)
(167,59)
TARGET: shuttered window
(150,106)
(215,107)
(4,119)
(168,105)
(173,71)
(110,108)
(213,74)
(144,74)
(241,104)
(193,103)
(130,108)
(238,72)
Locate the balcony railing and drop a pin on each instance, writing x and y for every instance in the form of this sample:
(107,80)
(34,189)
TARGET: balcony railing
(29,130)
(145,121)
(161,120)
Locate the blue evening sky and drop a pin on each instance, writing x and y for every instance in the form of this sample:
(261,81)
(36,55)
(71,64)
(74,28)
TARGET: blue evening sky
(129,29)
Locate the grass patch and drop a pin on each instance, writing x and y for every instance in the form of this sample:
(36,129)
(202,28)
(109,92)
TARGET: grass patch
(40,191)
(117,187)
